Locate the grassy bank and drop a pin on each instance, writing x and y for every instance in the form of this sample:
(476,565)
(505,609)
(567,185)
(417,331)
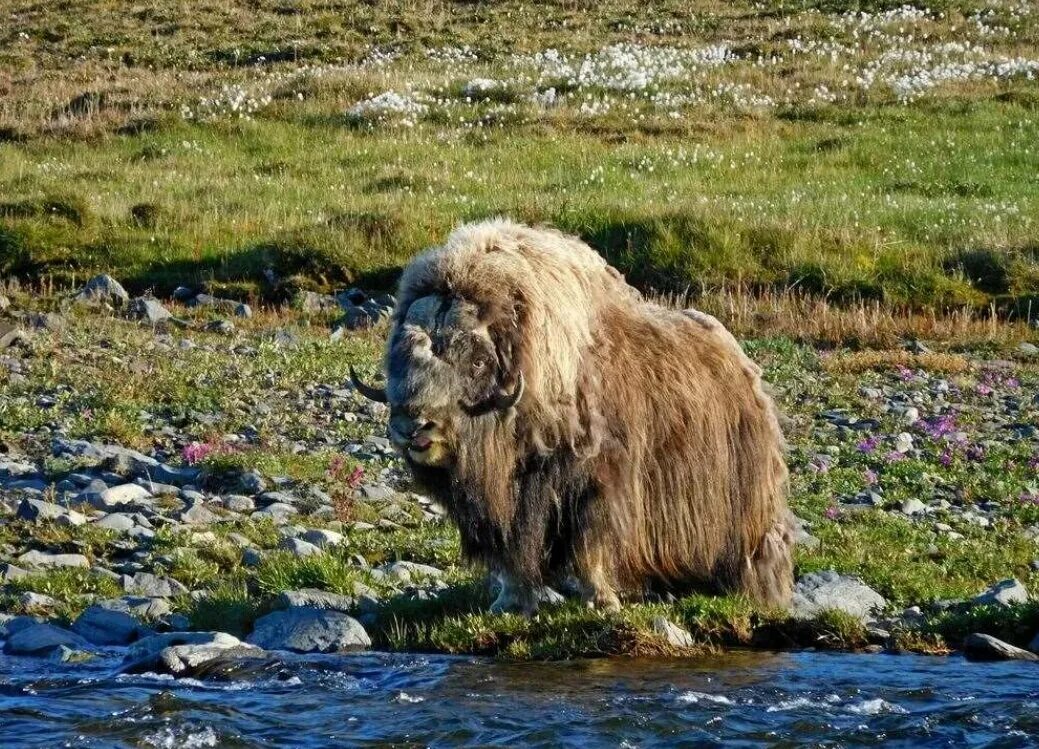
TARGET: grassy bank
(848,150)
(271,397)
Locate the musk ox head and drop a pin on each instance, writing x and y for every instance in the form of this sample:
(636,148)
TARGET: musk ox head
(445,369)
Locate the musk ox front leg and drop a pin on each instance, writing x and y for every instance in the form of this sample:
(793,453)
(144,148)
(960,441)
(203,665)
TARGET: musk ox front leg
(595,574)
(515,596)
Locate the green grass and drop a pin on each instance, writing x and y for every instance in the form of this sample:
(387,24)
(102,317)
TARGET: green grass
(926,204)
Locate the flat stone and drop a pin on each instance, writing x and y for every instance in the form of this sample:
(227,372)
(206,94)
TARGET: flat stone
(982,647)
(407,572)
(1004,593)
(820,591)
(313,598)
(38,509)
(9,572)
(116,521)
(149,310)
(147,584)
(39,639)
(43,559)
(309,630)
(375,491)
(116,496)
(30,600)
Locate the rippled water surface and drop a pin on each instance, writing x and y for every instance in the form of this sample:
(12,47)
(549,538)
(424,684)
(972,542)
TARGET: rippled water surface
(415,700)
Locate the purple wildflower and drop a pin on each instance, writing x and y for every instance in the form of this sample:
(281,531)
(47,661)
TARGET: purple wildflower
(975,452)
(832,513)
(946,457)
(196,452)
(894,456)
(871,477)
(869,444)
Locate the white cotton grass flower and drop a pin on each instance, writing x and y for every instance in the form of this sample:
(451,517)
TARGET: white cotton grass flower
(402,109)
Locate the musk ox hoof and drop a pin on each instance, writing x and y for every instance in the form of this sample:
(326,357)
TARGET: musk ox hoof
(518,600)
(604,601)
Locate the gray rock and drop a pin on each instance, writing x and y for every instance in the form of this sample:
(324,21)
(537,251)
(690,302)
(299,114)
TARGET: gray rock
(674,635)
(375,491)
(299,547)
(224,327)
(147,584)
(198,514)
(309,630)
(103,288)
(39,639)
(913,506)
(323,538)
(124,495)
(252,482)
(1004,593)
(982,647)
(820,591)
(239,503)
(313,598)
(182,653)
(175,475)
(1028,349)
(407,572)
(30,600)
(10,334)
(43,559)
(37,509)
(116,521)
(108,624)
(229,306)
(10,572)
(149,310)
(278,512)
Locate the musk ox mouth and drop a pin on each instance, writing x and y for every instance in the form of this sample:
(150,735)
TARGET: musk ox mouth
(420,444)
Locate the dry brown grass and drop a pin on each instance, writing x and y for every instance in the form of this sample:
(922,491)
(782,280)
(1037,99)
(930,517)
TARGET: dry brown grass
(859,325)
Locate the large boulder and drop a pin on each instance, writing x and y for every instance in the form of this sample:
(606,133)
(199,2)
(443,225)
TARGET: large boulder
(152,586)
(309,630)
(1004,593)
(108,623)
(184,653)
(982,647)
(40,639)
(821,591)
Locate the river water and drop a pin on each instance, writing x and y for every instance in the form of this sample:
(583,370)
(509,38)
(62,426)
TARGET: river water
(739,699)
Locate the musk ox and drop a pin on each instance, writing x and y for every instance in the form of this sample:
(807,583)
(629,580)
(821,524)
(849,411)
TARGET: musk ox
(573,430)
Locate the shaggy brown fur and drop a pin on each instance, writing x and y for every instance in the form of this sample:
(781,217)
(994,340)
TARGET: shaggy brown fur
(643,453)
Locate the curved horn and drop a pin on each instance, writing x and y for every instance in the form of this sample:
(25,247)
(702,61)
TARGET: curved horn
(504,401)
(375,394)
(501,401)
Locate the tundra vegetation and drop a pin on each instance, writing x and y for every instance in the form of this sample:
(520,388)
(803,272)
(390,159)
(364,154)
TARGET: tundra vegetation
(835,181)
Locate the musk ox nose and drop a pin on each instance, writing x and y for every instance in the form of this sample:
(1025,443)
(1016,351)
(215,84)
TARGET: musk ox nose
(404,428)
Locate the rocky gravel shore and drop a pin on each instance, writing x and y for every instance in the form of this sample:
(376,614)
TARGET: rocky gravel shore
(193,481)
